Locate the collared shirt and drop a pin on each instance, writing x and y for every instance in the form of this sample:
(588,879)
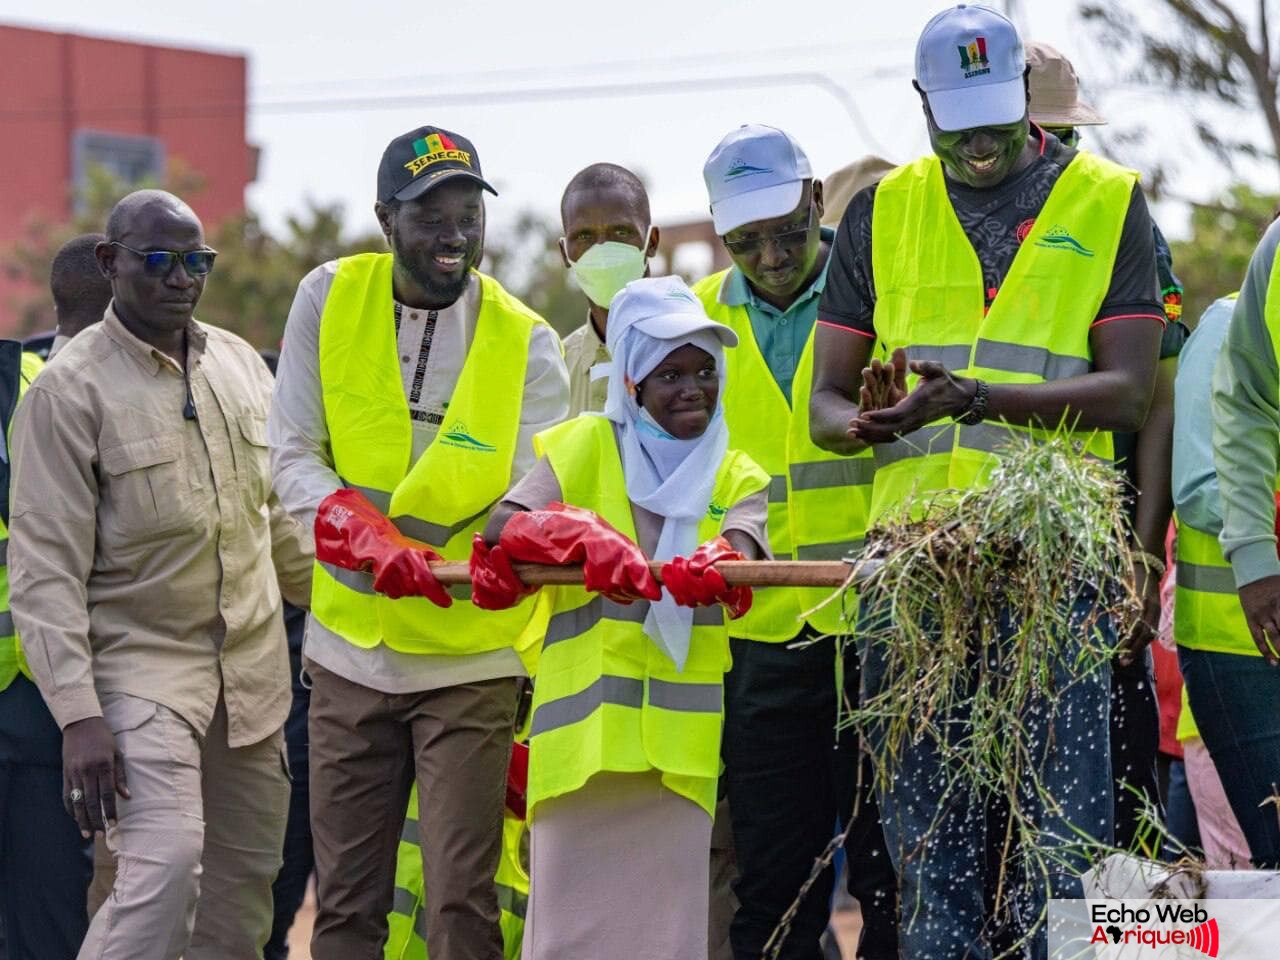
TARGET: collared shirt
(1194,479)
(141,547)
(1246,425)
(583,349)
(780,334)
(431,346)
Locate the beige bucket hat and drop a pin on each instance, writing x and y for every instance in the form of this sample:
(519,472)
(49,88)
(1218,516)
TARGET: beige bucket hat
(1055,90)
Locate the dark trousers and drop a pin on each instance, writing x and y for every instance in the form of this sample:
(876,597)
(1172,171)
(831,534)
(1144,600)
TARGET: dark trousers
(1135,744)
(299,859)
(789,781)
(45,867)
(1234,699)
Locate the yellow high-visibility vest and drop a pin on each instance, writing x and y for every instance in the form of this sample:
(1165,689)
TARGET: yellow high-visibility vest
(406,924)
(12,659)
(930,301)
(446,495)
(818,500)
(1207,611)
(607,697)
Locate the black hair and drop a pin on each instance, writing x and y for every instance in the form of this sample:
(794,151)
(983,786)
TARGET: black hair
(608,176)
(78,286)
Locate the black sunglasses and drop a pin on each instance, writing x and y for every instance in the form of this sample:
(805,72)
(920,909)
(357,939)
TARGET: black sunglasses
(159,263)
(792,238)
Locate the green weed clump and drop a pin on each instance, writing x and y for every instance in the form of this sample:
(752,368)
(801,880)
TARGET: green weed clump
(970,606)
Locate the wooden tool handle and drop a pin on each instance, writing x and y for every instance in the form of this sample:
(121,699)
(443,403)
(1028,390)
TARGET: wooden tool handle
(751,573)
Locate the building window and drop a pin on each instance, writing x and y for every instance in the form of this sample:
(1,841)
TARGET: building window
(130,159)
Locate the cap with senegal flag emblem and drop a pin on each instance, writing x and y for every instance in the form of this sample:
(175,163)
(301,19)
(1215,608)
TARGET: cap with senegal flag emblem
(416,161)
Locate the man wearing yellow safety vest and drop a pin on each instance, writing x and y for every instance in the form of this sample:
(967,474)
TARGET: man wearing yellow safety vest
(787,786)
(409,389)
(1231,690)
(45,865)
(1016,277)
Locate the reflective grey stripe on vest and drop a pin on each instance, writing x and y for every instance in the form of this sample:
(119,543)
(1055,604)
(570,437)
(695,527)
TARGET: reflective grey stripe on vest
(356,580)
(939,438)
(409,831)
(4,552)
(953,356)
(620,691)
(6,623)
(436,534)
(512,900)
(777,489)
(404,902)
(822,474)
(987,437)
(1020,358)
(1195,576)
(686,697)
(576,622)
(836,550)
(379,498)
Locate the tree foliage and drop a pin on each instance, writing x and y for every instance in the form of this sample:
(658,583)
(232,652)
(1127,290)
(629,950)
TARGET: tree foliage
(1212,261)
(1211,49)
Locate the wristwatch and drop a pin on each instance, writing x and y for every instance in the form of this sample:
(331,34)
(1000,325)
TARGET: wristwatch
(976,411)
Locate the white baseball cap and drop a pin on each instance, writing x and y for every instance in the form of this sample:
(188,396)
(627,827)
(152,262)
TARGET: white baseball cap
(970,65)
(662,307)
(754,173)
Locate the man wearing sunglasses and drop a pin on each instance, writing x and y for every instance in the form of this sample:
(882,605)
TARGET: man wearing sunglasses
(787,787)
(148,559)
(410,387)
(1016,277)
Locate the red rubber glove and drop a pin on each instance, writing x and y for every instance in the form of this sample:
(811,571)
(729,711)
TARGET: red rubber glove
(518,780)
(561,535)
(353,534)
(695,582)
(494,585)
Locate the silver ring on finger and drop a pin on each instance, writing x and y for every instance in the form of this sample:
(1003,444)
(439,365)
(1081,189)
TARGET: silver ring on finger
(76,795)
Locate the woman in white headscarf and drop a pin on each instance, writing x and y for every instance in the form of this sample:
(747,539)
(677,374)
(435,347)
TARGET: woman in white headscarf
(627,715)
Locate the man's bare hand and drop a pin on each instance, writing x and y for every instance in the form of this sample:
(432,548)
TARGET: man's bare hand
(884,384)
(92,775)
(1261,603)
(1147,586)
(937,394)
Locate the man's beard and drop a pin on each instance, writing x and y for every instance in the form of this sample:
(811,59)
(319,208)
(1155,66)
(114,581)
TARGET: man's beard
(438,289)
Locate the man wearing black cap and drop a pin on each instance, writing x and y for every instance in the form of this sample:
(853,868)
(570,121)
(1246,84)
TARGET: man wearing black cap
(409,389)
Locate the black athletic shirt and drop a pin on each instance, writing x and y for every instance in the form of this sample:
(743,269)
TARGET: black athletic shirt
(996,220)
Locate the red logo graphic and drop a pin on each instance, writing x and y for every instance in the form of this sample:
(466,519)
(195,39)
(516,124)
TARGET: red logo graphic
(1205,938)
(1024,228)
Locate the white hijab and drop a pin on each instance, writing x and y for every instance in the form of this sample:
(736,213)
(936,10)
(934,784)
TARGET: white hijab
(672,478)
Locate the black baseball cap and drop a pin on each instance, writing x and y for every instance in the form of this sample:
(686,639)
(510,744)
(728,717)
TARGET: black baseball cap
(416,161)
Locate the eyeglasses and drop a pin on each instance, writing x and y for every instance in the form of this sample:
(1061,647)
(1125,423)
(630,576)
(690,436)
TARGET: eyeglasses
(788,239)
(160,263)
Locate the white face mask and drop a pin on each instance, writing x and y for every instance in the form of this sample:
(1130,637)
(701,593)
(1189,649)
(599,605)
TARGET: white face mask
(606,268)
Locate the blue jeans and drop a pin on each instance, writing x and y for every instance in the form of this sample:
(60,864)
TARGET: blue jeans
(945,835)
(1234,698)
(45,867)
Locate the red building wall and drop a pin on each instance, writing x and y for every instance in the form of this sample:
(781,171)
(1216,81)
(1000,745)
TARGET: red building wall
(53,85)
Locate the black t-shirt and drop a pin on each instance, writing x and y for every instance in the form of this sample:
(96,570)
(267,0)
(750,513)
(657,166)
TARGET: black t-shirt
(996,221)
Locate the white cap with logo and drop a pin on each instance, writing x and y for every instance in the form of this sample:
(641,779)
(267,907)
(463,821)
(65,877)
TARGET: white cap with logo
(970,65)
(754,173)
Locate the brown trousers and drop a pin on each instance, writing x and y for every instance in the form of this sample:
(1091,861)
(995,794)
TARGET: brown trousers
(367,748)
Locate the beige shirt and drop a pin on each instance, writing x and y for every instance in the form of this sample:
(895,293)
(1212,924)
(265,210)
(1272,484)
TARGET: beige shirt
(583,349)
(431,347)
(144,547)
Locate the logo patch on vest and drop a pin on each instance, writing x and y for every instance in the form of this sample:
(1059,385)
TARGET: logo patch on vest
(1058,238)
(715,511)
(457,436)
